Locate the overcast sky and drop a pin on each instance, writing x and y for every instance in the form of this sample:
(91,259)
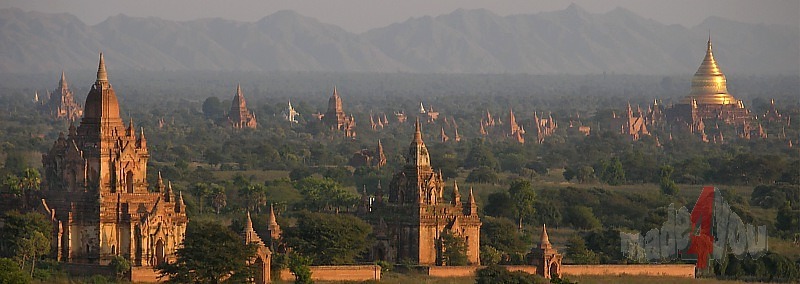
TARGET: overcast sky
(361,15)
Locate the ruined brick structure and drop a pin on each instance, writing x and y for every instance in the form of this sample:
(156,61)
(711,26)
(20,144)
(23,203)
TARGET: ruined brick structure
(544,127)
(515,131)
(240,116)
(95,190)
(61,104)
(409,225)
(369,158)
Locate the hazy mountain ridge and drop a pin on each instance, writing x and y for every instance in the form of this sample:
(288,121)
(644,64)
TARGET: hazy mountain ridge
(464,41)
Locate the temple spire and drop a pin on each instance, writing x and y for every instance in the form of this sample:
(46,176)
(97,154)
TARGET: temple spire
(63,81)
(456,194)
(102,75)
(544,243)
(248,226)
(271,221)
(471,196)
(417,132)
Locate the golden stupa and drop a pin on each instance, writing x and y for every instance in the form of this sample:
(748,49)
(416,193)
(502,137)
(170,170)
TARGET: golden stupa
(709,86)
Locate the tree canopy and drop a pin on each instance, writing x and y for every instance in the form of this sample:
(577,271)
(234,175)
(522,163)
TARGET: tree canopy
(211,253)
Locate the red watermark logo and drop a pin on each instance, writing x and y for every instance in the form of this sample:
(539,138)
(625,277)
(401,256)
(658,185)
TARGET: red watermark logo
(711,231)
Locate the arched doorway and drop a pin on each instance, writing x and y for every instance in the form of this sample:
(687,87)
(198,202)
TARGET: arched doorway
(554,271)
(261,271)
(129,180)
(160,257)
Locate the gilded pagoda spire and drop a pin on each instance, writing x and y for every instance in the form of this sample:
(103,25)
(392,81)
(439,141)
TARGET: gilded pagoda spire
(709,85)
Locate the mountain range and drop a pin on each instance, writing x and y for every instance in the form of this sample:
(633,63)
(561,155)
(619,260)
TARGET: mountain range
(569,41)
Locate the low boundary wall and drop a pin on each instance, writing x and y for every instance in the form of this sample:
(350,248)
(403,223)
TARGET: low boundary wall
(672,270)
(339,273)
(144,274)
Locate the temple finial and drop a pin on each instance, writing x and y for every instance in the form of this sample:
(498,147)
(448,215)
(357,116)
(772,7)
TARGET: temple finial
(545,241)
(249,223)
(63,82)
(417,131)
(102,75)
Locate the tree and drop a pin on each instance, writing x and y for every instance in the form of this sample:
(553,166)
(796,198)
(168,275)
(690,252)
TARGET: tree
(15,162)
(201,191)
(298,265)
(611,172)
(493,274)
(10,273)
(25,236)
(482,175)
(120,265)
(254,195)
(12,184)
(32,246)
(219,200)
(213,108)
(499,204)
(668,187)
(480,156)
(788,219)
(454,250)
(584,174)
(582,217)
(490,255)
(211,253)
(328,239)
(523,197)
(578,253)
(503,235)
(320,194)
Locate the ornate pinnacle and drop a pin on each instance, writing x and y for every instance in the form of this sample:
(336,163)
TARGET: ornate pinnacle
(545,241)
(417,132)
(102,75)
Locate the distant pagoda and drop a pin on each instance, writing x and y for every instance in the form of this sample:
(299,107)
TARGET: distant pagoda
(240,116)
(61,104)
(709,98)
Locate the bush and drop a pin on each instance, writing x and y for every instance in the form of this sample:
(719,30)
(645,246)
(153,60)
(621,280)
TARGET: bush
(120,265)
(497,274)
(482,175)
(11,274)
(298,265)
(490,255)
(582,217)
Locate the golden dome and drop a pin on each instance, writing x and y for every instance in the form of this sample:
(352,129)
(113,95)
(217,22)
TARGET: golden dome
(709,86)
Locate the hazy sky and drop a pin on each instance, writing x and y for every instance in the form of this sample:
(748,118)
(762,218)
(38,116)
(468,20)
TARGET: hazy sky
(361,15)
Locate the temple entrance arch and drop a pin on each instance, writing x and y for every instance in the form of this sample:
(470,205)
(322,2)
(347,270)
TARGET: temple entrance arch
(159,253)
(261,275)
(555,270)
(129,180)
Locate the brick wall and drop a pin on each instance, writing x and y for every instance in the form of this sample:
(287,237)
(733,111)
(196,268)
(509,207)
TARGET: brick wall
(453,271)
(674,270)
(144,274)
(339,273)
